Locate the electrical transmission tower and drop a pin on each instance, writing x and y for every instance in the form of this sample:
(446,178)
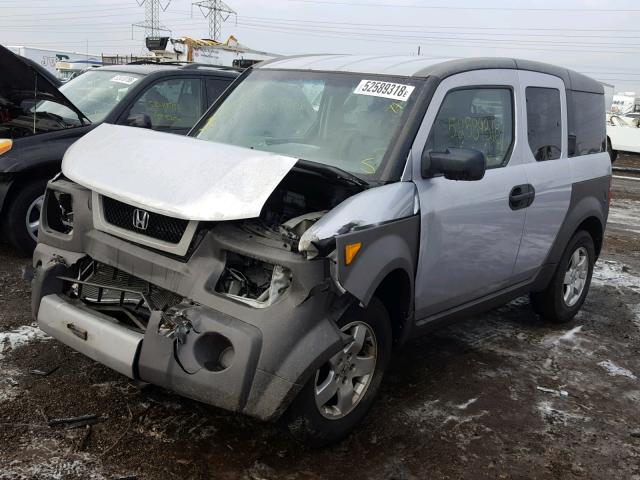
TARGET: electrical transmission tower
(152,26)
(217,12)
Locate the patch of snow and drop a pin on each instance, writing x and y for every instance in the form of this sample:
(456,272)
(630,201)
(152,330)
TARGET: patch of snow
(624,215)
(465,405)
(616,274)
(616,370)
(20,336)
(42,460)
(553,415)
(568,338)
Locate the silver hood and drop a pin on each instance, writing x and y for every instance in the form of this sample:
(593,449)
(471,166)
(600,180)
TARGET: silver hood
(177,176)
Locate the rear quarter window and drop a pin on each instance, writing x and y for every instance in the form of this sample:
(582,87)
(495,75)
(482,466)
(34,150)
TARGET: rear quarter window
(587,130)
(544,123)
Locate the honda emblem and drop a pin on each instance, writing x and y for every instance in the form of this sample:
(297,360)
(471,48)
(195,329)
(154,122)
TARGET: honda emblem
(140,219)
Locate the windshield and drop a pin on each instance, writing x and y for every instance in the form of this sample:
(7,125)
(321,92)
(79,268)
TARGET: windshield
(95,93)
(349,121)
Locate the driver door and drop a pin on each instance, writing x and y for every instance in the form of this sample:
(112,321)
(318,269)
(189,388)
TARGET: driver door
(470,230)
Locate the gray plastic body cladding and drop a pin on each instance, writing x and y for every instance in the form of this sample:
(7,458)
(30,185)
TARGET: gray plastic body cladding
(228,388)
(385,248)
(298,331)
(589,198)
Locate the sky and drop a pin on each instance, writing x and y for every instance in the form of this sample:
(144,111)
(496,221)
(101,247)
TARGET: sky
(597,37)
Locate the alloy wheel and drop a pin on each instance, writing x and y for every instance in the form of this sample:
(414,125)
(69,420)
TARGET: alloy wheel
(343,381)
(575,278)
(32,218)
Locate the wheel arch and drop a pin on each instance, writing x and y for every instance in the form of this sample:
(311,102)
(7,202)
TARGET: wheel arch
(593,226)
(34,174)
(587,212)
(395,291)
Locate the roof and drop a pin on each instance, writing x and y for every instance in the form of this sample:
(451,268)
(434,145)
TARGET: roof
(415,66)
(149,68)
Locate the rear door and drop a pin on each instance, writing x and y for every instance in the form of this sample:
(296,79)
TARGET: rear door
(545,158)
(470,232)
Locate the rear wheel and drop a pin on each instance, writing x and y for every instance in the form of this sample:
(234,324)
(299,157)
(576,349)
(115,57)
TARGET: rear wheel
(22,216)
(339,394)
(569,286)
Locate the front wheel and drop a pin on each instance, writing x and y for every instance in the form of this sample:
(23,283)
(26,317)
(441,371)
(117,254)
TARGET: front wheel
(569,286)
(339,394)
(22,216)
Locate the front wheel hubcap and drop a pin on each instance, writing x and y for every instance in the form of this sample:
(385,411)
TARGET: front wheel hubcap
(575,277)
(343,381)
(32,218)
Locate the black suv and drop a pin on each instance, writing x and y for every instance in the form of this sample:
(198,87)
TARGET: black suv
(38,122)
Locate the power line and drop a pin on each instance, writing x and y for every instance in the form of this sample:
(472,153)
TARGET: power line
(421,28)
(377,33)
(62,15)
(500,9)
(357,36)
(604,48)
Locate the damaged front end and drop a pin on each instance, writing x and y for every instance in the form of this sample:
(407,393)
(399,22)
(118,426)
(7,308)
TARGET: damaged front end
(248,311)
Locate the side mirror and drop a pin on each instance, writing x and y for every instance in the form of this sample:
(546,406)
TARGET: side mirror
(454,164)
(140,120)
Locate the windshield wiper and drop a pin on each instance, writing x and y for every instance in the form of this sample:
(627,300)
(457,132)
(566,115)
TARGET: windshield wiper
(331,172)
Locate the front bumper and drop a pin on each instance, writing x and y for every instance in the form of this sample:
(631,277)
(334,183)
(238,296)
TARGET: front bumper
(275,349)
(90,333)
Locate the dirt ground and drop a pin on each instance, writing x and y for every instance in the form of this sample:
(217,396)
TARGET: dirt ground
(501,395)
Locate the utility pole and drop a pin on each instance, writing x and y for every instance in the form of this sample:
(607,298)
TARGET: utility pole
(152,26)
(217,11)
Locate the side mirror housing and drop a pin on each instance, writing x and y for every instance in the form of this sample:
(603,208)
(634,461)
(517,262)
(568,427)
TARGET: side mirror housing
(454,164)
(140,120)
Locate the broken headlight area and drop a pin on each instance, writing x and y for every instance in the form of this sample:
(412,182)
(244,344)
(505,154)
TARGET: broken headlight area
(300,200)
(126,299)
(59,211)
(254,282)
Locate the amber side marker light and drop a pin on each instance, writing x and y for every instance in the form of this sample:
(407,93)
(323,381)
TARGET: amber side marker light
(350,252)
(5,145)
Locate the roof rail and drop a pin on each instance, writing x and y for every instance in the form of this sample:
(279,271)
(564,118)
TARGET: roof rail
(193,65)
(155,62)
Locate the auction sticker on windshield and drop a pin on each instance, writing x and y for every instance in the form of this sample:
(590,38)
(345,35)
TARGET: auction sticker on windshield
(126,79)
(374,88)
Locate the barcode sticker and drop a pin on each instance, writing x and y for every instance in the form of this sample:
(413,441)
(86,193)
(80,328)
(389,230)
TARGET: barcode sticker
(374,88)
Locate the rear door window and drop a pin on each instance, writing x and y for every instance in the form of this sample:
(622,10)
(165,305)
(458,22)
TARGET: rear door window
(544,123)
(587,123)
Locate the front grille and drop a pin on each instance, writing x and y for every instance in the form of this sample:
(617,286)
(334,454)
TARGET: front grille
(160,227)
(118,294)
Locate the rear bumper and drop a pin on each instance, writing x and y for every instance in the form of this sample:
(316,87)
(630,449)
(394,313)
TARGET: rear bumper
(90,333)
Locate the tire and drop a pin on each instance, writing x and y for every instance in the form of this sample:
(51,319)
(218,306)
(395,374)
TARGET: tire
(613,154)
(15,216)
(560,302)
(317,426)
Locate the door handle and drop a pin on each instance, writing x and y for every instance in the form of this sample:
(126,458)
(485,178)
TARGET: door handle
(521,196)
